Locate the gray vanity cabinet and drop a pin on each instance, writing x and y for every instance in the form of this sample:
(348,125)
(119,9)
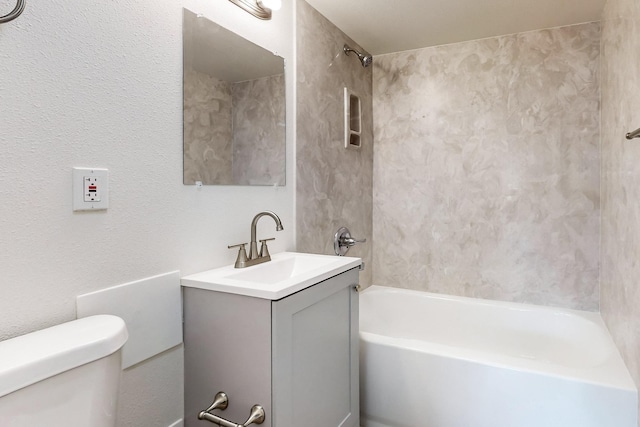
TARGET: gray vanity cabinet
(297,356)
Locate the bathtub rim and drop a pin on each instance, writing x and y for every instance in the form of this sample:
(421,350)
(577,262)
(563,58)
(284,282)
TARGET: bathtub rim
(611,373)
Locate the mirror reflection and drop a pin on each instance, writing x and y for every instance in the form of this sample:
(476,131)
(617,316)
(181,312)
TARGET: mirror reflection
(234,108)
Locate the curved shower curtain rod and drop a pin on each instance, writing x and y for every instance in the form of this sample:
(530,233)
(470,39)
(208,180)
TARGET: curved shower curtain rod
(14,13)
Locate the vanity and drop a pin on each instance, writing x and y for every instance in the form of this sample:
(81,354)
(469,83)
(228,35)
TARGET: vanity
(282,335)
(274,341)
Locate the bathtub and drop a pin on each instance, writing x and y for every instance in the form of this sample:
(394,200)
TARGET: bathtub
(430,360)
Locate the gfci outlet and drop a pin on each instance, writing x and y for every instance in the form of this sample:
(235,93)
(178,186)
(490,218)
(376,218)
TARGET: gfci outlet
(90,189)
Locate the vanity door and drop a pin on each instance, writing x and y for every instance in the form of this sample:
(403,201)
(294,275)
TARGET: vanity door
(315,355)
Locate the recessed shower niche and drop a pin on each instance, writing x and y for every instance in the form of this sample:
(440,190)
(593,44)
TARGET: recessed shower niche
(352,120)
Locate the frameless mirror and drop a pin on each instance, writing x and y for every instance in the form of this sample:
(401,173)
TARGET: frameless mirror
(234,108)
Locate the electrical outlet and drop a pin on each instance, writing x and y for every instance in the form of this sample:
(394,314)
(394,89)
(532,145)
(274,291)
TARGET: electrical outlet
(90,189)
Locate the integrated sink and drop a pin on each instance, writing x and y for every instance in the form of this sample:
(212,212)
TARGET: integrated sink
(285,274)
(283,268)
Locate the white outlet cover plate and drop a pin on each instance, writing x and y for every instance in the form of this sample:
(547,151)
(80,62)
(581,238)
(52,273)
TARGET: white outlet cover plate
(79,175)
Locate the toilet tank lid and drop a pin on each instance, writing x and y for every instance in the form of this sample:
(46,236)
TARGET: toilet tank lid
(36,356)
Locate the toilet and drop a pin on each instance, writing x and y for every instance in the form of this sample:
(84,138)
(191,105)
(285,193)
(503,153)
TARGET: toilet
(64,376)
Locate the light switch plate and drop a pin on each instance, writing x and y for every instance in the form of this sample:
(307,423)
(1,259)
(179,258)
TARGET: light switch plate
(90,189)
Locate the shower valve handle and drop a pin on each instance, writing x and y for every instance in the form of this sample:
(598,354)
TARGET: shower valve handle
(343,240)
(350,241)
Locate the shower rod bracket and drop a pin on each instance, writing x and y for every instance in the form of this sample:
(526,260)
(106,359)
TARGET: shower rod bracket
(17,11)
(634,134)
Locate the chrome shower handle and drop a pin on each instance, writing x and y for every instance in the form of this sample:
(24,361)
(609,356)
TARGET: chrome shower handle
(350,241)
(343,240)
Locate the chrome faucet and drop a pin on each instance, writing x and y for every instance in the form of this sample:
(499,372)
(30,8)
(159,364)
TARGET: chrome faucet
(254,256)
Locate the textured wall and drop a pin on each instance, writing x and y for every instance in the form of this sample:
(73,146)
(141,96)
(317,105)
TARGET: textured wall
(99,84)
(259,157)
(486,168)
(620,292)
(333,184)
(208,129)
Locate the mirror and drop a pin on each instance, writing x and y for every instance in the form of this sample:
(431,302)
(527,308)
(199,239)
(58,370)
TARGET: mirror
(233,108)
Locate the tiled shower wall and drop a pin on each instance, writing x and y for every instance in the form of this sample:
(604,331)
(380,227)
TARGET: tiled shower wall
(334,185)
(620,290)
(486,168)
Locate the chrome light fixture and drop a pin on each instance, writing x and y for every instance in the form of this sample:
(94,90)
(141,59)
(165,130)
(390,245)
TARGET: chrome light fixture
(259,8)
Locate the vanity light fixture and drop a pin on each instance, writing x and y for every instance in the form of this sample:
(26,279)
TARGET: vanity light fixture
(259,8)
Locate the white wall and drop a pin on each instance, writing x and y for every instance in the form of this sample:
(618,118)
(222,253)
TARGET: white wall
(99,84)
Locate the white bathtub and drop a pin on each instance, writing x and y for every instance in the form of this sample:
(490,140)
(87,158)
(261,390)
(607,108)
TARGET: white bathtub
(430,360)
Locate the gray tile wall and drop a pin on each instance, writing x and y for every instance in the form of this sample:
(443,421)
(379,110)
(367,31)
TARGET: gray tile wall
(334,185)
(620,291)
(486,168)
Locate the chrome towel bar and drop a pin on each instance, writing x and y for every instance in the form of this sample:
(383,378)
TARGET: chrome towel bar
(634,134)
(14,13)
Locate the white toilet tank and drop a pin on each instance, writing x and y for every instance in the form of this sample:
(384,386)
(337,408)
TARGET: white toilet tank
(64,376)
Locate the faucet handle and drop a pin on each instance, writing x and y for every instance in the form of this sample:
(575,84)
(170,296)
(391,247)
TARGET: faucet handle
(240,245)
(264,250)
(242,255)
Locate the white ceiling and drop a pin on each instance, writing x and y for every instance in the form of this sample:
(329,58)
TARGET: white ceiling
(384,26)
